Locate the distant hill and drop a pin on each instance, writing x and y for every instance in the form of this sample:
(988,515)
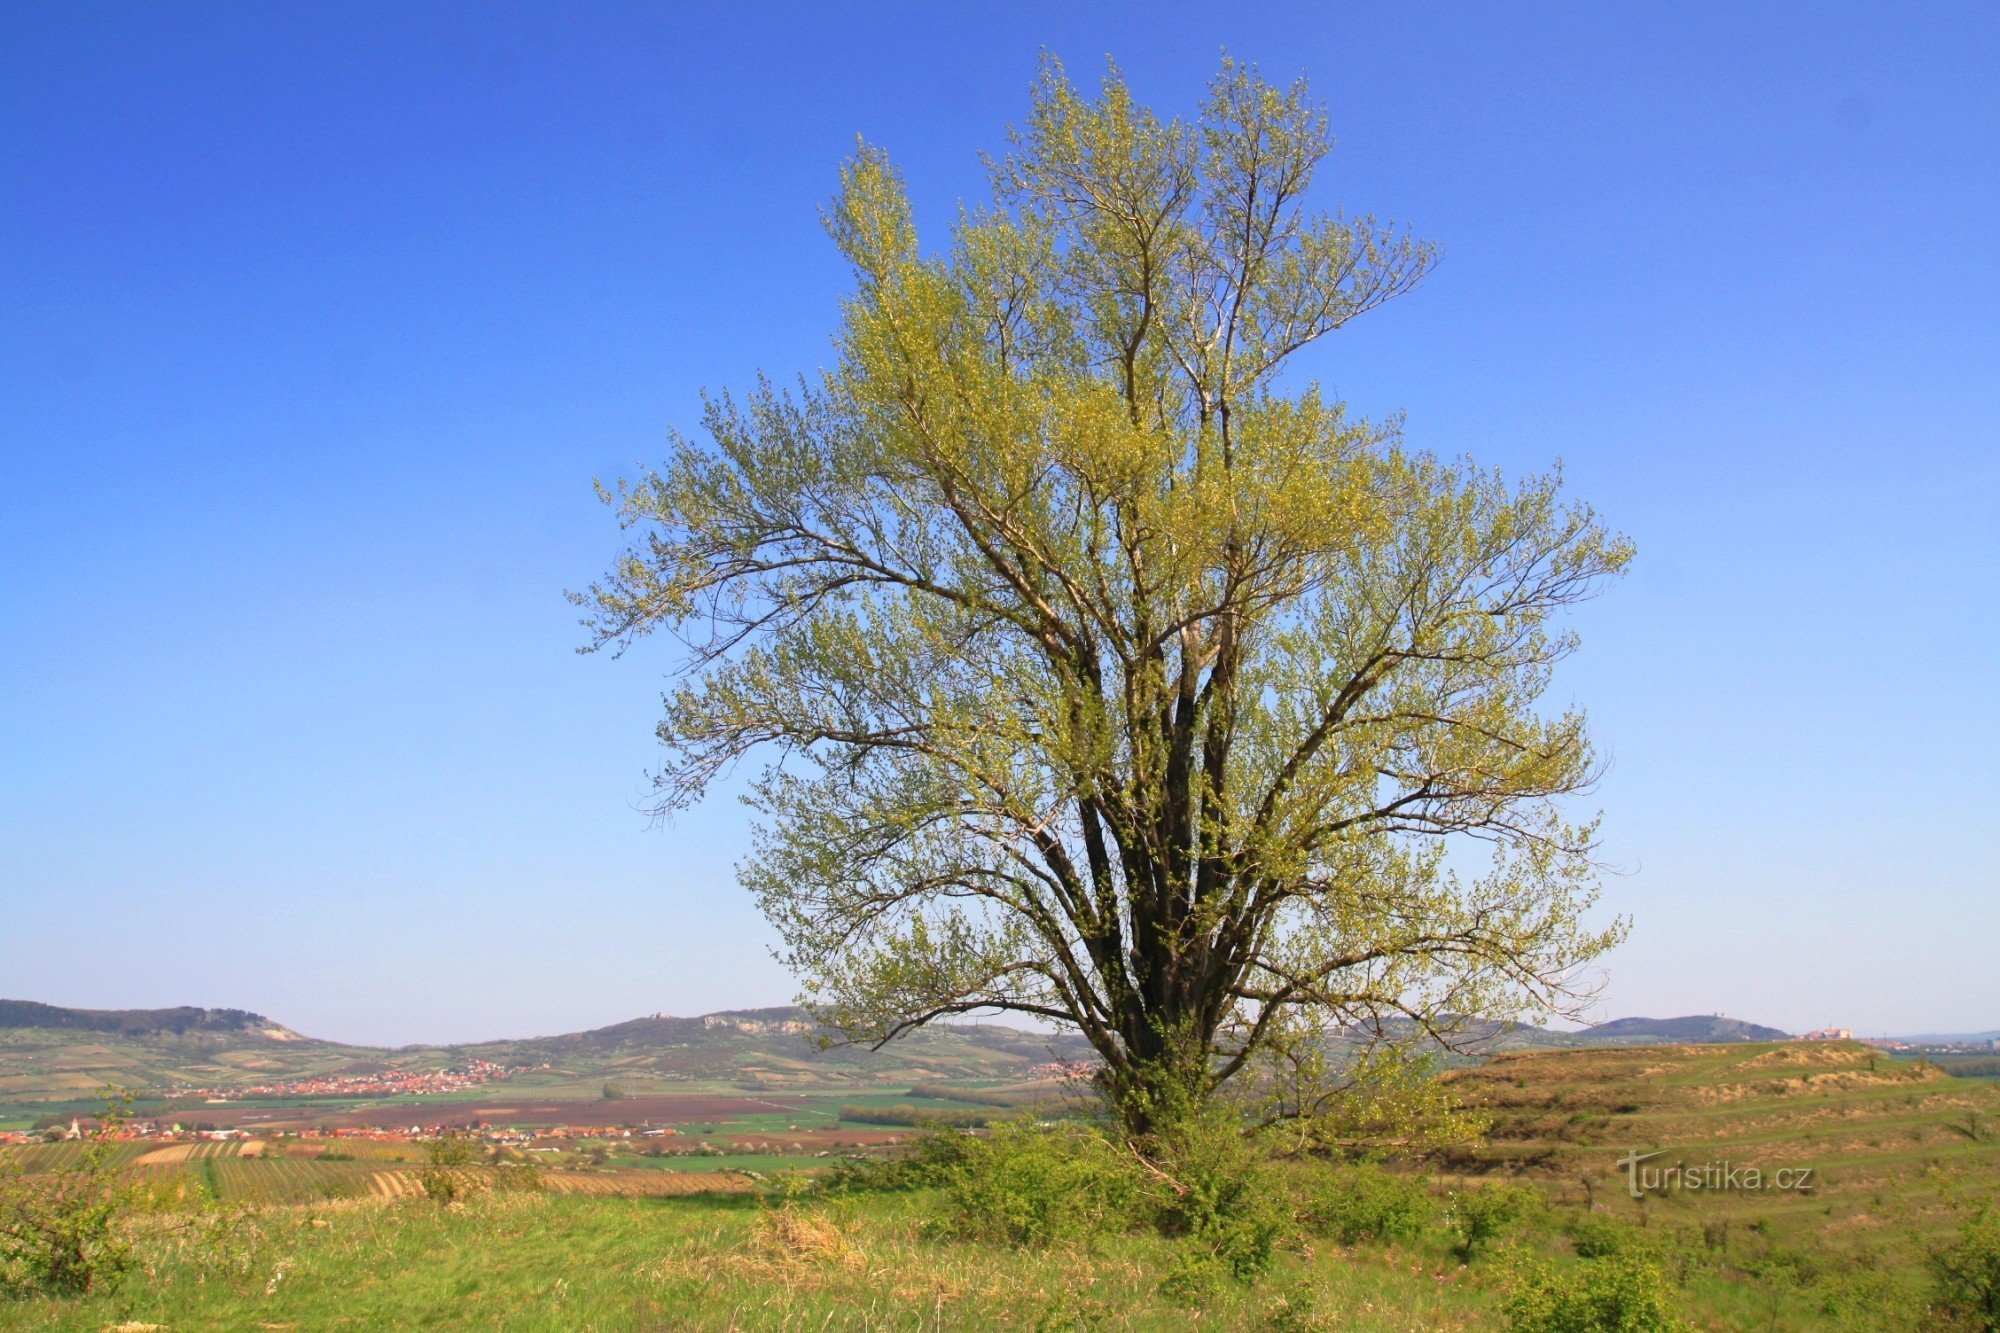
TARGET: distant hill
(781,1047)
(1693,1029)
(51,1054)
(138,1022)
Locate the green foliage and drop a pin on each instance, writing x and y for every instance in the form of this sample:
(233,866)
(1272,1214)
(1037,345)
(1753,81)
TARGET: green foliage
(1101,675)
(59,1229)
(1361,1201)
(1387,1097)
(1966,1273)
(1193,1278)
(1032,1186)
(1222,1194)
(1619,1294)
(1479,1215)
(448,1176)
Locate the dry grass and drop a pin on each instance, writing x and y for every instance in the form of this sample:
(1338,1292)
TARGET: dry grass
(789,1239)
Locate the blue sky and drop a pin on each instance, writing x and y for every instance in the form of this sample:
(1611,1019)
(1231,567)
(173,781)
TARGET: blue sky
(316,323)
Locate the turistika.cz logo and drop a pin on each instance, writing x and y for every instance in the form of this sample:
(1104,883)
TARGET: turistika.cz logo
(1641,1180)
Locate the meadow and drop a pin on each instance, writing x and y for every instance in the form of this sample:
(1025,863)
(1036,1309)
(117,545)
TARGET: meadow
(1045,1229)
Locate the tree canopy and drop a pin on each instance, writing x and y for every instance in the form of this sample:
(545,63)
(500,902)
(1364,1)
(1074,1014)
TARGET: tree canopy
(1100,671)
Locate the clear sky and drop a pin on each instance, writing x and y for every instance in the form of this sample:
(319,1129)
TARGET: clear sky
(316,323)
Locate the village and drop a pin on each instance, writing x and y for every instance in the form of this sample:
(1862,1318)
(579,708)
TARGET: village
(540,1138)
(377,1083)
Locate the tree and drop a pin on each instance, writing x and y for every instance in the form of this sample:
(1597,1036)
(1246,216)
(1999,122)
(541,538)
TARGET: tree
(1099,674)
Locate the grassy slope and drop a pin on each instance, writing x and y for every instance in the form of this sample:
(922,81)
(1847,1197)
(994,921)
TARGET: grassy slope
(1885,1139)
(576,1264)
(1888,1139)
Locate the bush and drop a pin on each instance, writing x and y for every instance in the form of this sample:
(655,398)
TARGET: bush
(447,1176)
(1031,1186)
(59,1229)
(1620,1294)
(1966,1273)
(1362,1202)
(1192,1279)
(1477,1216)
(1220,1191)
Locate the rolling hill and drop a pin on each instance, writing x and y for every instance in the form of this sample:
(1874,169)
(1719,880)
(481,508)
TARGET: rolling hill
(140,1022)
(1698,1028)
(53,1055)
(1888,1144)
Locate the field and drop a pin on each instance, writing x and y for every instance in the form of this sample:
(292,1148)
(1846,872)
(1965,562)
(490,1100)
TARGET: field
(281,1235)
(1889,1143)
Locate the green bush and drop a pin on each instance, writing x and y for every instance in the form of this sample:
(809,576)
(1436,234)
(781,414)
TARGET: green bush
(1031,1186)
(447,1176)
(1966,1273)
(1362,1202)
(1478,1216)
(1620,1294)
(1220,1191)
(59,1229)
(1193,1278)
(58,1232)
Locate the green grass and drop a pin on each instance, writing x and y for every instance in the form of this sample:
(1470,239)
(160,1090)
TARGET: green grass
(536,1262)
(1896,1172)
(529,1261)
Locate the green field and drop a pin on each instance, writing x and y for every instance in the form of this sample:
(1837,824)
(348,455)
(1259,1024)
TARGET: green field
(537,1262)
(1901,1152)
(1890,1143)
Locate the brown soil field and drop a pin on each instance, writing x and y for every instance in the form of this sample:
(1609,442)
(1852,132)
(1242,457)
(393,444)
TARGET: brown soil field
(813,1139)
(626,1111)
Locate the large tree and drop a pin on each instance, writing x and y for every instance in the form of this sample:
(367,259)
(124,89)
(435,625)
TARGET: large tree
(1099,671)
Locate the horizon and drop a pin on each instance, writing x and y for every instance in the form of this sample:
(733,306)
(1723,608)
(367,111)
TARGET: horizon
(959,1020)
(318,327)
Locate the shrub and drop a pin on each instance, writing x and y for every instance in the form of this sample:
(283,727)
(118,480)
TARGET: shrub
(1220,1192)
(447,1176)
(59,1229)
(1362,1202)
(1193,1278)
(1031,1186)
(1966,1273)
(1477,1216)
(1620,1294)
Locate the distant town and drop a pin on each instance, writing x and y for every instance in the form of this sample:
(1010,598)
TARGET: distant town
(381,1083)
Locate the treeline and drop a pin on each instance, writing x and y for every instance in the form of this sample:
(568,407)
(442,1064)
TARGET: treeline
(916,1117)
(1976,1066)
